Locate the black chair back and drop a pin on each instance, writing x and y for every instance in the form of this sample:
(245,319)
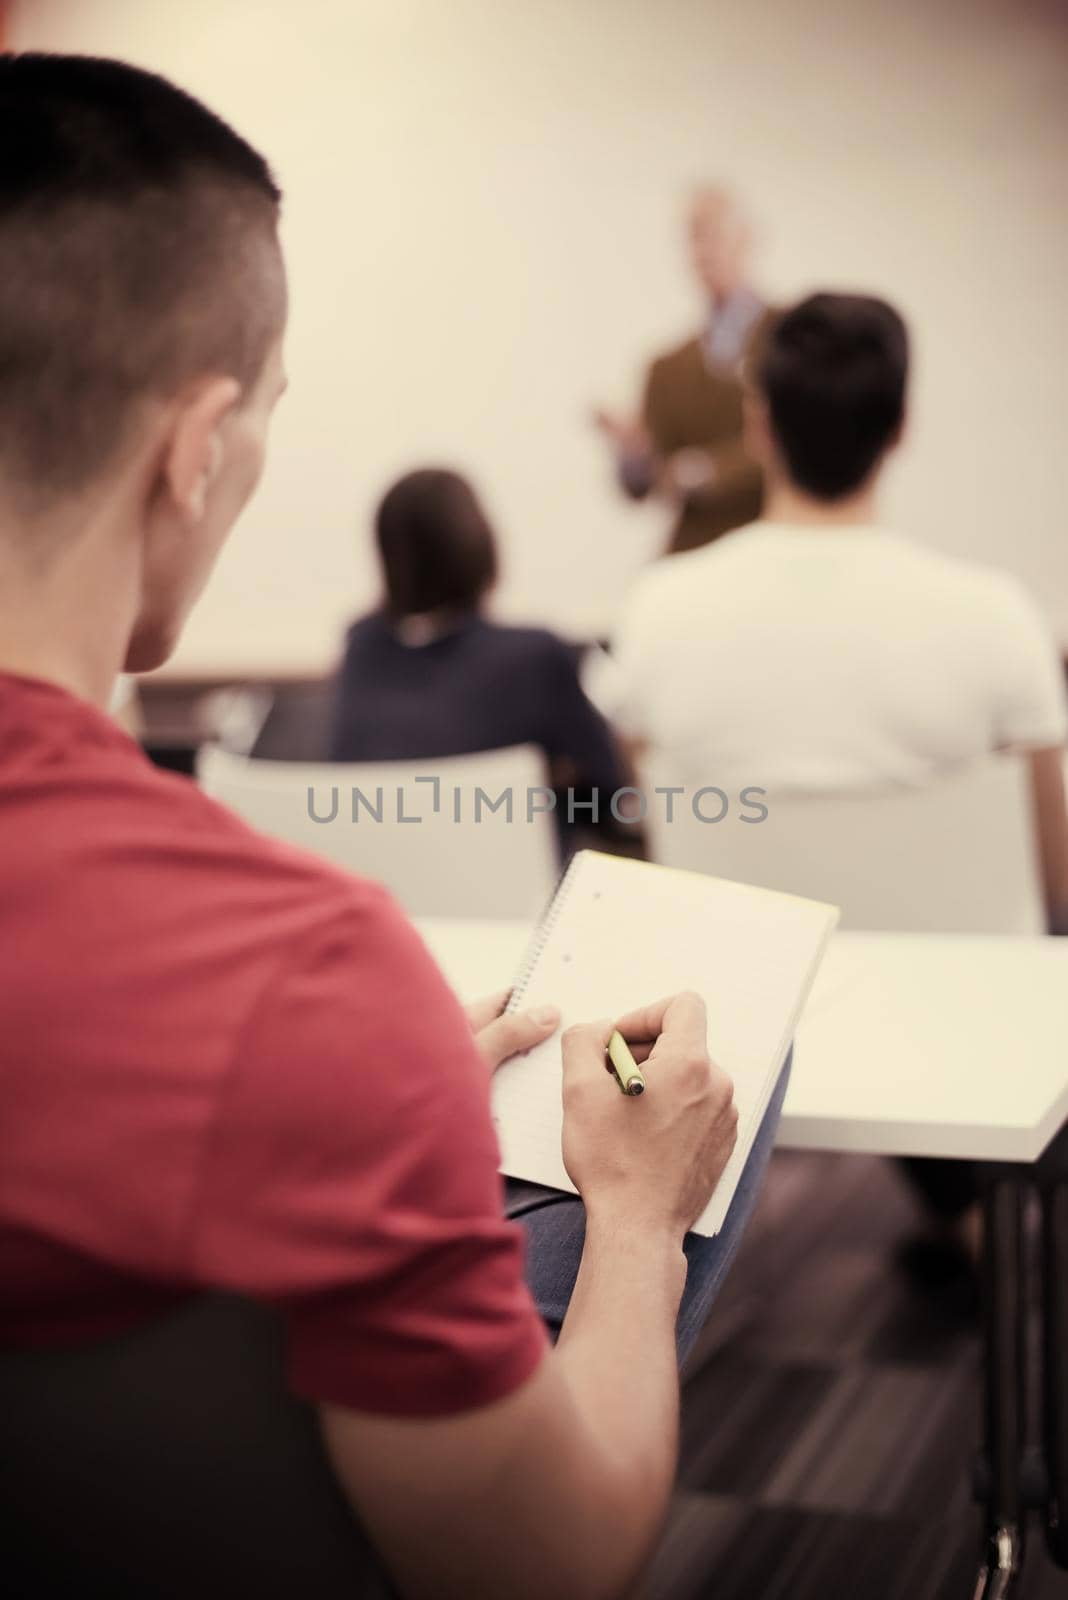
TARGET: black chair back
(172,1462)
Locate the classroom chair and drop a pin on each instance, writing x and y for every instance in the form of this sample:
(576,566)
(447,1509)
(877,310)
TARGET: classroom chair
(473,852)
(955,856)
(172,1461)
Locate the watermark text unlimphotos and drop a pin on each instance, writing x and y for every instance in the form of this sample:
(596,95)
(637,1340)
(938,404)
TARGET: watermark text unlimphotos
(408,804)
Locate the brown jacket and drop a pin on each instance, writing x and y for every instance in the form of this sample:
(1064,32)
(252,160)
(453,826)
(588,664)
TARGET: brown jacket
(690,403)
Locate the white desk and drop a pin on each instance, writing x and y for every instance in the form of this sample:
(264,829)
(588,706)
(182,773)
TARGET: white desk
(917,1044)
(911,1044)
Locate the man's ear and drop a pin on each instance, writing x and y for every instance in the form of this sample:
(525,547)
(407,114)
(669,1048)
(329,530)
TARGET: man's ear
(756,425)
(899,435)
(195,453)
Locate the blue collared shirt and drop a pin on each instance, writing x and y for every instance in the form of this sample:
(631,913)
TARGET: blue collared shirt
(725,338)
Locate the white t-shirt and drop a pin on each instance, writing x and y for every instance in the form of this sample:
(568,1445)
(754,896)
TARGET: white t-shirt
(828,658)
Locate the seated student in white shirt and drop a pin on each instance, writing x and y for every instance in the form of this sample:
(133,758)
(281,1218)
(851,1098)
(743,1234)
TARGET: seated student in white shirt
(813,650)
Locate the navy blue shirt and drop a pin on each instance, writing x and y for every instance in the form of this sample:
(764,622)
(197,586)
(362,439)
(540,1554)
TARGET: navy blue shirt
(479,686)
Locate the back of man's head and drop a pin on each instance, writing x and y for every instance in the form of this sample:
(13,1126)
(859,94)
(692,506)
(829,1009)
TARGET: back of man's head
(138,241)
(833,372)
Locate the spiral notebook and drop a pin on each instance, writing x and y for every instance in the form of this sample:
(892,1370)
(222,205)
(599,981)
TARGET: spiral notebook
(620,933)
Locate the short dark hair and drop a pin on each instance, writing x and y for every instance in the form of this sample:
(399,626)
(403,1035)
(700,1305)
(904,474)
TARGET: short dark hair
(437,547)
(833,371)
(132,223)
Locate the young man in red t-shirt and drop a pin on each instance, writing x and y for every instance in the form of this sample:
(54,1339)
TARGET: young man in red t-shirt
(224,1065)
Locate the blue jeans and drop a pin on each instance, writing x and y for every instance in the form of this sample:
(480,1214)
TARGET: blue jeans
(555,1225)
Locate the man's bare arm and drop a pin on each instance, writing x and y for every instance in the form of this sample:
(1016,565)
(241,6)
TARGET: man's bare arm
(1051,831)
(561,1488)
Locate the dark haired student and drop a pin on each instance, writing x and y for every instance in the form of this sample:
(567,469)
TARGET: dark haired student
(821,652)
(429,674)
(237,1099)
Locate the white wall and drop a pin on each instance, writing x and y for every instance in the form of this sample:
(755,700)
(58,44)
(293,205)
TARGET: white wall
(482,222)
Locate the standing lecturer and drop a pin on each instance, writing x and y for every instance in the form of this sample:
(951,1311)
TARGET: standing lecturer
(687,444)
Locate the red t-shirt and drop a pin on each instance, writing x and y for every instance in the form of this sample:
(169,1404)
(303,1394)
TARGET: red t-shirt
(226,1065)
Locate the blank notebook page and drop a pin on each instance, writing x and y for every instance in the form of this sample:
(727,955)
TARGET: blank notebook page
(621,933)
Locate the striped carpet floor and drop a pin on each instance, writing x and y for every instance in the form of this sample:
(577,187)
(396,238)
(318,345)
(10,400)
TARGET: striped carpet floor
(830,1414)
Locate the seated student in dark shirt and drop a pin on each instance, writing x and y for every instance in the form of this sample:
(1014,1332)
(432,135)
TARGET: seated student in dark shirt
(427,675)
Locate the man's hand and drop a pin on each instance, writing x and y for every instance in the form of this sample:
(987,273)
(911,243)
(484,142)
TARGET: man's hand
(500,1034)
(687,472)
(634,451)
(657,1158)
(560,1488)
(626,434)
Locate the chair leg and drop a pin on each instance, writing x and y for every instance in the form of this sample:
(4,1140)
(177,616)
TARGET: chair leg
(1005,1376)
(1053,1179)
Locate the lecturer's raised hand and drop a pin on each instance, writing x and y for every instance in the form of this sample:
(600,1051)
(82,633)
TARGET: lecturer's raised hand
(627,434)
(654,1159)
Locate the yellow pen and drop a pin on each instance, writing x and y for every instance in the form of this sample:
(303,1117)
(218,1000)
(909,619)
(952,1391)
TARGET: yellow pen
(626,1069)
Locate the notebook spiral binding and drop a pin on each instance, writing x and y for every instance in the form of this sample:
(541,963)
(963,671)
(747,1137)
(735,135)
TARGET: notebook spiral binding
(543,931)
